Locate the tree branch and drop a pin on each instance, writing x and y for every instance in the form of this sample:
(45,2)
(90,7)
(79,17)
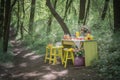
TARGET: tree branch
(57,17)
(14,2)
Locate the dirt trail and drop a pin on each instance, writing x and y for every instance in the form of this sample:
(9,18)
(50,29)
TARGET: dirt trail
(29,66)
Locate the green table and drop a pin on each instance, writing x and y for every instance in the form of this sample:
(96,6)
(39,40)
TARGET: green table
(90,48)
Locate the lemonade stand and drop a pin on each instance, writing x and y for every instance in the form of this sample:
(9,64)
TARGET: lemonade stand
(89,45)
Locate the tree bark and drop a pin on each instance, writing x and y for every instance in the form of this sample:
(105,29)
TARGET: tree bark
(32,12)
(6,24)
(116,5)
(18,18)
(105,9)
(22,22)
(14,2)
(68,4)
(50,20)
(87,11)
(58,18)
(1,18)
(49,24)
(82,10)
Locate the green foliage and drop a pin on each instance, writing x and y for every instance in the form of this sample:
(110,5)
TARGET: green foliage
(34,43)
(39,39)
(80,53)
(108,42)
(109,66)
(6,57)
(109,62)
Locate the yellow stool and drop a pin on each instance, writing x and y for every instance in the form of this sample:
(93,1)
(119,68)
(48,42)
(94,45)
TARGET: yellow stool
(56,52)
(60,53)
(48,52)
(68,54)
(53,55)
(52,52)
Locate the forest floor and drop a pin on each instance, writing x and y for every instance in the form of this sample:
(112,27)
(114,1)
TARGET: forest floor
(28,65)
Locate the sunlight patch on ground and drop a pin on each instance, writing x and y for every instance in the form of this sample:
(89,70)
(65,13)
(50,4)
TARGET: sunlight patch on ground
(28,54)
(49,76)
(35,57)
(54,74)
(32,55)
(29,74)
(60,73)
(17,51)
(8,65)
(33,74)
(23,64)
(47,67)
(18,75)
(12,41)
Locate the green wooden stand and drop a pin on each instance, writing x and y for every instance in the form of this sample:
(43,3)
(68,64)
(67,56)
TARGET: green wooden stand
(90,48)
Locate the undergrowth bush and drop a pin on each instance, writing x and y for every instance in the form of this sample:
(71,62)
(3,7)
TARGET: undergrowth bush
(35,43)
(109,61)
(5,57)
(38,42)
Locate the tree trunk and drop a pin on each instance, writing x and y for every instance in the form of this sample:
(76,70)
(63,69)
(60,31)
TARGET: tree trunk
(68,4)
(58,18)
(82,10)
(105,9)
(1,18)
(18,18)
(6,24)
(116,5)
(49,24)
(14,2)
(87,11)
(50,20)
(32,12)
(22,22)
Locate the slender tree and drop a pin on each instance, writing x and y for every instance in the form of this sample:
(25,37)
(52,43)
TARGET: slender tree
(67,6)
(82,10)
(22,21)
(14,2)
(57,17)
(50,19)
(87,11)
(1,17)
(116,5)
(105,9)
(32,14)
(18,17)
(6,24)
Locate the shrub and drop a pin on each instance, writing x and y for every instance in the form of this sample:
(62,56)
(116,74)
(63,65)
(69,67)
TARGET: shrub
(109,62)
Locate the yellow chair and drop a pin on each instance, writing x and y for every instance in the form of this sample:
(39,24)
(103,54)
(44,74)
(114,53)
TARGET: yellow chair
(52,53)
(60,53)
(48,51)
(68,54)
(56,52)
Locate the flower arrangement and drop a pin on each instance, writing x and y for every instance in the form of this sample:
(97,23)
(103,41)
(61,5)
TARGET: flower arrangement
(79,58)
(78,52)
(88,37)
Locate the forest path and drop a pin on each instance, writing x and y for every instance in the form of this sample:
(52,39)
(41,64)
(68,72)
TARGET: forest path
(28,65)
